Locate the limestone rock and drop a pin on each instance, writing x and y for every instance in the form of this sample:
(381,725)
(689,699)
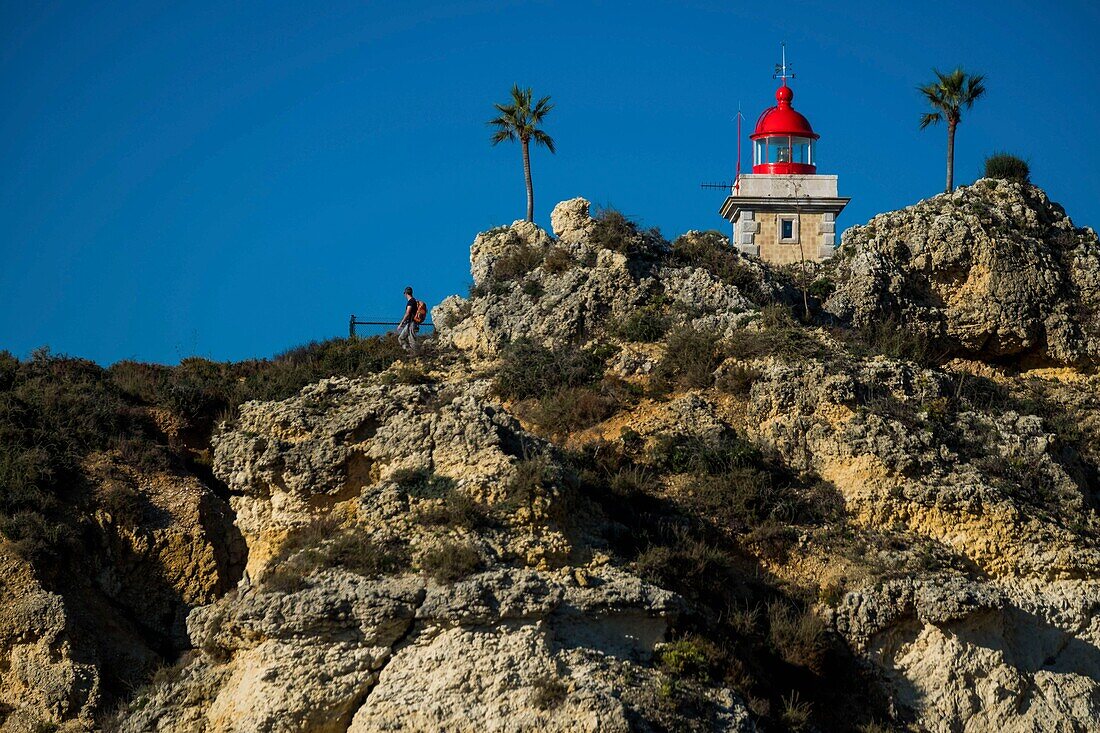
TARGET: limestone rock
(968,655)
(995,269)
(490,246)
(571,220)
(596,289)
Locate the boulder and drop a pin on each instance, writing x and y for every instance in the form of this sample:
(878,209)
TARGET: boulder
(995,270)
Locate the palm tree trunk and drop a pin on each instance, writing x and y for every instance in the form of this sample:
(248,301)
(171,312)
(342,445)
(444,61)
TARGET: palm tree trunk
(950,156)
(527,178)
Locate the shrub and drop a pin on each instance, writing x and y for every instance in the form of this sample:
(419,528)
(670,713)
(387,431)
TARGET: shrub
(1007,167)
(780,336)
(531,370)
(557,260)
(646,324)
(711,251)
(689,360)
(738,379)
(516,263)
(799,637)
(690,657)
(423,484)
(893,339)
(123,503)
(38,538)
(686,562)
(451,561)
(456,510)
(632,480)
(407,374)
(550,692)
(796,712)
(821,288)
(612,230)
(680,453)
(322,545)
(575,408)
(533,289)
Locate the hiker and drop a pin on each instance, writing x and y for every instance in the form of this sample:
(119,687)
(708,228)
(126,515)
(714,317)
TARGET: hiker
(415,313)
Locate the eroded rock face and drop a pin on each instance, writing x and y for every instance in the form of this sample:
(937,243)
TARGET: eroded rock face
(69,651)
(538,646)
(994,268)
(1016,648)
(977,656)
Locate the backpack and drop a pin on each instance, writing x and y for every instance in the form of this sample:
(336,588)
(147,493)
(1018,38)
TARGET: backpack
(421,312)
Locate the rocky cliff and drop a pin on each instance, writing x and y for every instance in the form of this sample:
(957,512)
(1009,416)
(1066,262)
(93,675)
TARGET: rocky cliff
(644,485)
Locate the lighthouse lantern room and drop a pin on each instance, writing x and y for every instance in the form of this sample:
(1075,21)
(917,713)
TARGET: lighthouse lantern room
(784,211)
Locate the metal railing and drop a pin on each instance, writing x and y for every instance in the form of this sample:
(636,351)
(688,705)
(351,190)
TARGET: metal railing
(353,323)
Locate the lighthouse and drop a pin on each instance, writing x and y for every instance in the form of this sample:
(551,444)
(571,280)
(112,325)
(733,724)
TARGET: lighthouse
(784,211)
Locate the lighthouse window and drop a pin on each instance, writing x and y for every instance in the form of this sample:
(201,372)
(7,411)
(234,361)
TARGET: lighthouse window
(801,148)
(788,229)
(779,150)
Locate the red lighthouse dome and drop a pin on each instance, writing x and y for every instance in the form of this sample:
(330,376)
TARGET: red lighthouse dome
(784,141)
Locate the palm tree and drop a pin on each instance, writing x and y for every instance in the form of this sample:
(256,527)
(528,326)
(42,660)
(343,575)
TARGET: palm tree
(948,95)
(520,119)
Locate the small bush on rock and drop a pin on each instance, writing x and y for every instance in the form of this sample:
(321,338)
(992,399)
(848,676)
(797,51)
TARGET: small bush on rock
(711,251)
(324,545)
(612,230)
(423,484)
(799,637)
(123,503)
(780,336)
(518,262)
(646,324)
(573,408)
(550,692)
(530,370)
(451,561)
(690,359)
(558,260)
(738,379)
(1007,167)
(456,510)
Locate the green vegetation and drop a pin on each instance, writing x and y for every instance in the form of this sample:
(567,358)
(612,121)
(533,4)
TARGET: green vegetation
(947,96)
(614,231)
(325,544)
(550,692)
(779,335)
(890,338)
(530,370)
(694,514)
(451,561)
(646,324)
(1007,167)
(557,260)
(711,251)
(574,408)
(520,260)
(56,411)
(520,120)
(690,358)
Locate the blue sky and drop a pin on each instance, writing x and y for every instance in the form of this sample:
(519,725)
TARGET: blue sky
(232,179)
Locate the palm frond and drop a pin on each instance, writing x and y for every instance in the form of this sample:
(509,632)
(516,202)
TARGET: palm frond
(975,89)
(543,139)
(930,118)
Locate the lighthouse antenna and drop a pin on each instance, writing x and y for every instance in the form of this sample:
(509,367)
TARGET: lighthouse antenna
(782,70)
(737,178)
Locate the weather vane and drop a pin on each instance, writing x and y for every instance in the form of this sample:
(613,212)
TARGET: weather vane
(783,70)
